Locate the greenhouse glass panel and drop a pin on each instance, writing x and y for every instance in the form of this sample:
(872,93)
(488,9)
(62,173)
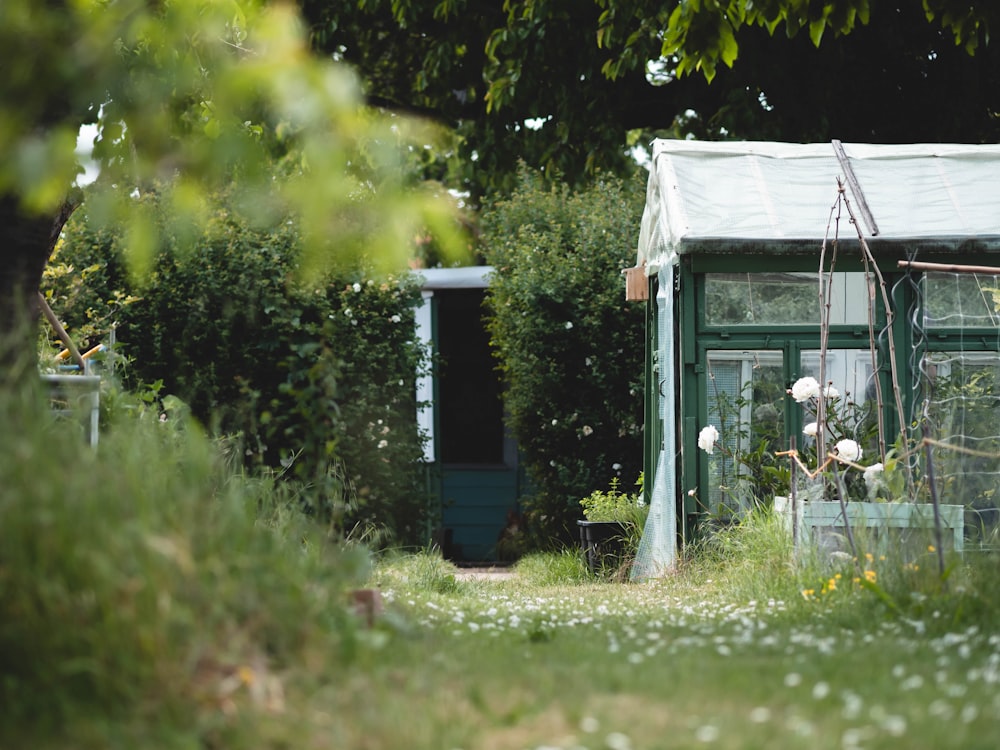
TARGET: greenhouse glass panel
(745,397)
(964,422)
(782,299)
(961,300)
(848,371)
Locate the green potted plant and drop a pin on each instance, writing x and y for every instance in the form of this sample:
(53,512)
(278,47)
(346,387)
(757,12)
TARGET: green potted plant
(612,526)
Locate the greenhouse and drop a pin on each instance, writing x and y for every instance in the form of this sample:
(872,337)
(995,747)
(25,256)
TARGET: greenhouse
(871,270)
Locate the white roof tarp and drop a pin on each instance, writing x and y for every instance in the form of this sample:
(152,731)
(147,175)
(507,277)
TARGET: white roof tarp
(726,196)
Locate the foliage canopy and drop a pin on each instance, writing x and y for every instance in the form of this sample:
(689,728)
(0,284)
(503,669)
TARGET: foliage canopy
(197,94)
(569,85)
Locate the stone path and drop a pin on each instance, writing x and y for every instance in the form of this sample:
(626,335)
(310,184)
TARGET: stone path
(496,573)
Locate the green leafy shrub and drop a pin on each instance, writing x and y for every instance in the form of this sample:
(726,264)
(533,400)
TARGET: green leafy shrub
(314,376)
(570,348)
(615,505)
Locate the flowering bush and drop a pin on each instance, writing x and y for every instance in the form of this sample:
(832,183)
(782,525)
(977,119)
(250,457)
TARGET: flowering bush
(840,416)
(570,348)
(314,379)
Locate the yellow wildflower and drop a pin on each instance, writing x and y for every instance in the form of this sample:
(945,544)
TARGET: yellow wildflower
(870,575)
(247,676)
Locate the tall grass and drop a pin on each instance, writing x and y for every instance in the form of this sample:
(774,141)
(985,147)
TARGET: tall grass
(751,559)
(142,580)
(754,560)
(564,568)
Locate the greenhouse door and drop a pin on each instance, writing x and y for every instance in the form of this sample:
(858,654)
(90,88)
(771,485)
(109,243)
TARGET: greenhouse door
(747,401)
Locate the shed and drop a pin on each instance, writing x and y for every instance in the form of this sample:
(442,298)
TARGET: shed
(731,242)
(472,463)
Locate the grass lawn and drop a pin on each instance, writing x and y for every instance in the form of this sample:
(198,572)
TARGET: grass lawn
(149,598)
(511,665)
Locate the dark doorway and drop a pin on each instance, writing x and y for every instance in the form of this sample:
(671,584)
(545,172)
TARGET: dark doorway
(471,420)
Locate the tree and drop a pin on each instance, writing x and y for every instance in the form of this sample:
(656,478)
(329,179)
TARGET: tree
(195,93)
(567,85)
(700,35)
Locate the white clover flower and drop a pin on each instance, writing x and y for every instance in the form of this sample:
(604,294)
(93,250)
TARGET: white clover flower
(618,741)
(707,733)
(589,724)
(810,429)
(871,474)
(805,389)
(707,438)
(848,450)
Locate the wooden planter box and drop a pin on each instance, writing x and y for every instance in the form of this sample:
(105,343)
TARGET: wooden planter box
(901,527)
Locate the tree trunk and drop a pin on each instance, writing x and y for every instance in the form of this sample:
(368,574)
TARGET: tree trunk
(27,242)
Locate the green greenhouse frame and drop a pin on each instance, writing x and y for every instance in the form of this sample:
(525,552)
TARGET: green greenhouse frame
(731,242)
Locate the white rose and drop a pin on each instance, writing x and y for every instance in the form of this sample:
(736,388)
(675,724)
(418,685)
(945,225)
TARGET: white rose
(872,474)
(805,389)
(707,438)
(848,450)
(810,429)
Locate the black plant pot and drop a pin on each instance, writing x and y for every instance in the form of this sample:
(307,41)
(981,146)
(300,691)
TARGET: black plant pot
(603,542)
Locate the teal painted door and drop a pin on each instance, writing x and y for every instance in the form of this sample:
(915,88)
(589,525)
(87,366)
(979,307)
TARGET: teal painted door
(477,504)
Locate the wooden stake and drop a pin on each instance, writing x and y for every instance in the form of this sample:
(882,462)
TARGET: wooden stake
(948,267)
(61,332)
